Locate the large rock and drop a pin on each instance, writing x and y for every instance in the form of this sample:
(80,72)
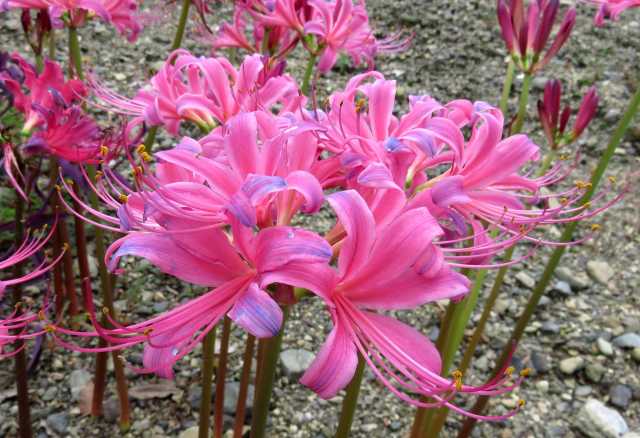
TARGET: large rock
(596,420)
(620,396)
(59,423)
(628,340)
(78,380)
(296,361)
(605,347)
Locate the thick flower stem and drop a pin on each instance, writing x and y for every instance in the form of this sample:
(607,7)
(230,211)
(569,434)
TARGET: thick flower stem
(245,374)
(424,416)
(506,87)
(208,346)
(522,105)
(306,80)
(20,359)
(67,267)
(350,402)
(552,264)
(106,283)
(52,44)
(182,24)
(264,387)
(221,374)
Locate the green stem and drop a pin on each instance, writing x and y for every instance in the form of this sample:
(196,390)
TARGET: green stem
(39,62)
(424,416)
(306,80)
(522,105)
(264,386)
(554,260)
(182,24)
(350,401)
(245,374)
(546,162)
(208,345)
(74,52)
(52,44)
(506,87)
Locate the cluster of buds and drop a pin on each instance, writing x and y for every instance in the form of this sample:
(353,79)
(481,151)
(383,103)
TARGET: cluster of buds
(526,31)
(554,122)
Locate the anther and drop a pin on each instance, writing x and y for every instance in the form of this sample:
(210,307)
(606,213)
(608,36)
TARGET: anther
(525,372)
(612,179)
(104,150)
(509,371)
(105,310)
(58,188)
(141,149)
(41,315)
(49,328)
(146,157)
(147,331)
(595,227)
(123,198)
(521,403)
(65,246)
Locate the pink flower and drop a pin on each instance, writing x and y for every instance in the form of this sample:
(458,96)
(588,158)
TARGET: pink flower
(123,14)
(238,267)
(555,122)
(385,268)
(205,91)
(39,93)
(526,32)
(611,9)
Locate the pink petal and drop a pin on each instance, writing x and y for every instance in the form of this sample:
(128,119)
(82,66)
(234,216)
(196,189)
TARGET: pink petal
(449,191)
(278,246)
(256,312)
(241,144)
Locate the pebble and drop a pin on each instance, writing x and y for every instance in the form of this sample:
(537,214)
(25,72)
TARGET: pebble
(296,361)
(563,288)
(620,396)
(542,386)
(78,380)
(571,364)
(192,432)
(577,281)
(59,422)
(550,327)
(594,372)
(596,420)
(369,427)
(583,391)
(50,393)
(600,271)
(605,347)
(525,279)
(635,354)
(628,340)
(541,362)
(231,392)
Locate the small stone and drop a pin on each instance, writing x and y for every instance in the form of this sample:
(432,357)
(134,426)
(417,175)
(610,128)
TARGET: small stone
(596,420)
(78,380)
(542,386)
(633,434)
(539,82)
(583,391)
(571,364)
(192,432)
(395,425)
(594,372)
(111,409)
(50,393)
(296,361)
(231,394)
(563,288)
(541,362)
(58,422)
(600,271)
(605,347)
(612,115)
(577,281)
(141,425)
(369,427)
(120,76)
(525,279)
(620,396)
(434,333)
(628,340)
(635,354)
(550,327)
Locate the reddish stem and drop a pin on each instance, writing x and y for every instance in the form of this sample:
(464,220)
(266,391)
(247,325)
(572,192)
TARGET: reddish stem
(218,409)
(247,359)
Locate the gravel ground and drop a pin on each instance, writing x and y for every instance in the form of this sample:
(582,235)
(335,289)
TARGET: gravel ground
(580,343)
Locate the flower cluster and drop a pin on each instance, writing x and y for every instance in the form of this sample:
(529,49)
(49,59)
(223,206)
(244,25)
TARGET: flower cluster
(611,9)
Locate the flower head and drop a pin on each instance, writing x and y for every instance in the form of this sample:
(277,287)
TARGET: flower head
(611,9)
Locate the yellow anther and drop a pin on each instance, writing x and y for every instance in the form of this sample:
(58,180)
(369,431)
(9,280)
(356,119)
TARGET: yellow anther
(146,157)
(521,403)
(105,310)
(457,379)
(104,150)
(147,331)
(69,181)
(58,188)
(65,246)
(49,328)
(41,315)
(564,201)
(99,174)
(141,149)
(583,185)
(509,371)
(525,372)
(587,204)
(612,179)
(564,157)
(139,170)
(595,227)
(123,198)
(360,104)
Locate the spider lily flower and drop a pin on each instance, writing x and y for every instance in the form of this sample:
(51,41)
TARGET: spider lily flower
(237,267)
(611,9)
(554,122)
(386,268)
(205,91)
(10,166)
(527,31)
(68,134)
(122,14)
(46,90)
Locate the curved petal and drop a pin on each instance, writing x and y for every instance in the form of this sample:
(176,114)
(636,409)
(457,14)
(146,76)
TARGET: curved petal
(256,312)
(241,145)
(308,186)
(334,365)
(278,246)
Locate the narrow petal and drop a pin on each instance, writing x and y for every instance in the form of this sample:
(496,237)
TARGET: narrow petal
(257,312)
